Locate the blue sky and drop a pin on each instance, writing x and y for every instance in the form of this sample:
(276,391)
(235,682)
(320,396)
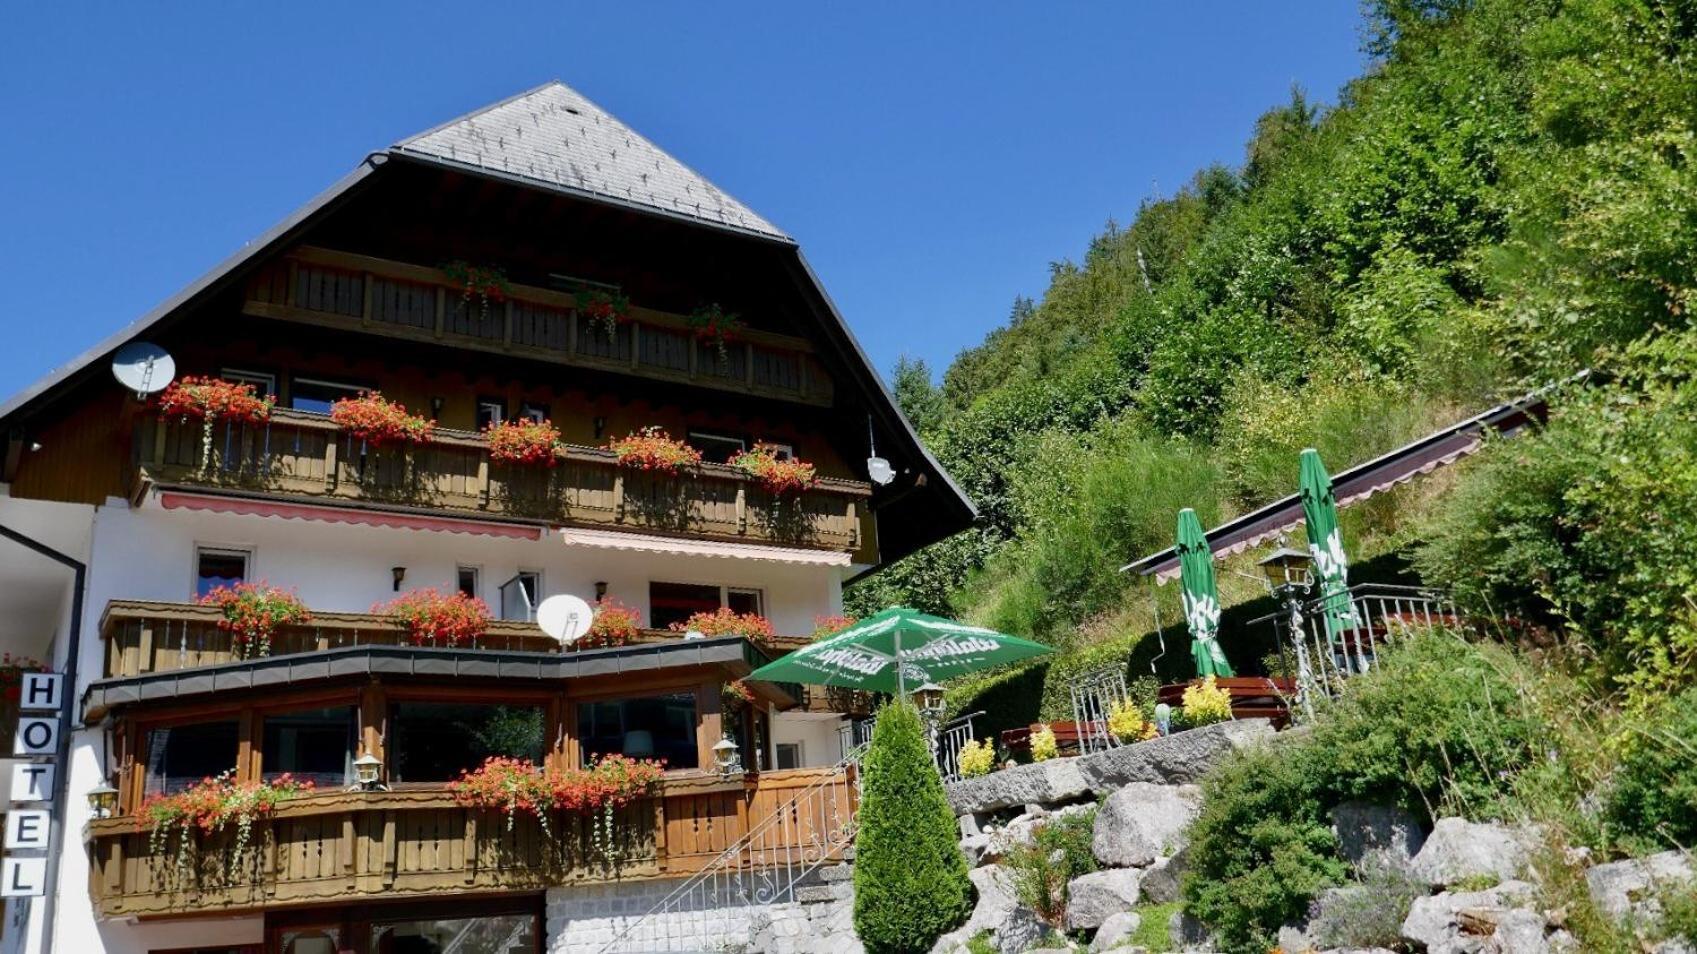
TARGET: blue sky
(932,159)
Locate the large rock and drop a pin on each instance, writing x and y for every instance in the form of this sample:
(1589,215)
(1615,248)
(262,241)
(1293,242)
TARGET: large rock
(1099,895)
(1142,822)
(1460,922)
(1179,758)
(1459,850)
(1013,926)
(1057,780)
(1522,932)
(1163,878)
(1185,933)
(1369,834)
(1116,930)
(1623,889)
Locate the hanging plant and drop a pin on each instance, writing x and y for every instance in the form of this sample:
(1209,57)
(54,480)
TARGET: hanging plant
(523,441)
(717,327)
(12,669)
(653,449)
(486,282)
(210,400)
(734,696)
(604,309)
(174,822)
(615,624)
(777,474)
(515,786)
(727,622)
(431,617)
(372,418)
(253,612)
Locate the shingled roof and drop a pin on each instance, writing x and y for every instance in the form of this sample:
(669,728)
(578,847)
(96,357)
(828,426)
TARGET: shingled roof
(555,136)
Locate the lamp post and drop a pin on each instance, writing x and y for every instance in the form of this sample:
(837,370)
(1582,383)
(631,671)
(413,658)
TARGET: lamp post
(1289,579)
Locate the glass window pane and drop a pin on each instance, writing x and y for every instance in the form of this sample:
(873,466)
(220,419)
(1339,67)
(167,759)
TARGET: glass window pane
(743,601)
(670,603)
(315,745)
(661,727)
(435,741)
(501,934)
(178,756)
(215,568)
(490,411)
(317,396)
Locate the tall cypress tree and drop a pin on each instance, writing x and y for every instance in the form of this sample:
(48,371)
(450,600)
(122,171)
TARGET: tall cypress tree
(910,884)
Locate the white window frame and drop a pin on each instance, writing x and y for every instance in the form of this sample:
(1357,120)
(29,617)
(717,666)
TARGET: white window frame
(691,435)
(219,549)
(497,404)
(532,411)
(759,595)
(264,382)
(535,598)
(476,578)
(353,390)
(800,754)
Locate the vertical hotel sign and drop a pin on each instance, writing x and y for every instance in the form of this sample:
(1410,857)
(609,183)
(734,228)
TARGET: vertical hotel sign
(23,870)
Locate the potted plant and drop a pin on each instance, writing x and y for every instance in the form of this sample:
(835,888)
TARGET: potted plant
(604,309)
(431,617)
(377,421)
(486,282)
(174,821)
(253,612)
(735,696)
(716,326)
(615,624)
(515,786)
(523,441)
(210,400)
(727,622)
(653,449)
(778,475)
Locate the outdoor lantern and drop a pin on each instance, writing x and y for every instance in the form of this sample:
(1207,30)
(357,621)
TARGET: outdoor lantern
(725,757)
(1287,566)
(103,800)
(399,573)
(366,770)
(929,697)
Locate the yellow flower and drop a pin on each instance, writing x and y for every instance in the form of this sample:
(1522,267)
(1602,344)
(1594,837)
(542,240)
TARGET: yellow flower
(1043,745)
(977,757)
(1206,703)
(1125,721)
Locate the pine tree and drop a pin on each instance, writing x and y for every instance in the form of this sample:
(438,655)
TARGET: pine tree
(910,883)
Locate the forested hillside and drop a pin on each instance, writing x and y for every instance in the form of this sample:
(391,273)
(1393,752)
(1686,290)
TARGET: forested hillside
(1505,197)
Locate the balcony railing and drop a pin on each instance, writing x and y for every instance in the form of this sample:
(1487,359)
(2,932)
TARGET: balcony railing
(341,846)
(300,454)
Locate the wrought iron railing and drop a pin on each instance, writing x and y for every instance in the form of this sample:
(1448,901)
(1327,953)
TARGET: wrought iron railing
(1325,649)
(952,736)
(716,908)
(1094,697)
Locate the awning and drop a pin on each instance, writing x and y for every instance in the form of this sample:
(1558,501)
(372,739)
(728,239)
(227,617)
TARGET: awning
(213,503)
(647,543)
(1437,449)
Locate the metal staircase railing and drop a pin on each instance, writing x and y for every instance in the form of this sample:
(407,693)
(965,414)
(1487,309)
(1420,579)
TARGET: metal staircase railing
(1378,614)
(715,909)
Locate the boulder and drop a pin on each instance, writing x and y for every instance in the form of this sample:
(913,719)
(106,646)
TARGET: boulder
(1520,932)
(1099,895)
(1057,780)
(1185,933)
(1023,931)
(1182,757)
(975,847)
(1623,889)
(1458,850)
(1162,879)
(1022,830)
(1385,834)
(1142,822)
(1013,926)
(1459,922)
(1116,930)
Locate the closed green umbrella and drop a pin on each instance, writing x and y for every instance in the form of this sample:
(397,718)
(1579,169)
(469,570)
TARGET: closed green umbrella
(927,648)
(1201,596)
(1325,544)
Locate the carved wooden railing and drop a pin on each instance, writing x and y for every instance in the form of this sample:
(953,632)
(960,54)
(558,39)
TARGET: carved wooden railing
(339,846)
(306,455)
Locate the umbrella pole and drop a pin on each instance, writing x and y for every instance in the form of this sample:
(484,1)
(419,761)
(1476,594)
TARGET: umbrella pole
(901,684)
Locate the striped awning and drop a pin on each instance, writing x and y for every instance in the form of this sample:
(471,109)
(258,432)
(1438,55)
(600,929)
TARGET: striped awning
(650,543)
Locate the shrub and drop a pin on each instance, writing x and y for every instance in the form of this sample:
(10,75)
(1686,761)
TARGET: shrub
(374,419)
(1059,851)
(431,617)
(1205,703)
(1368,914)
(1125,721)
(977,757)
(910,883)
(779,475)
(653,449)
(1043,744)
(1653,801)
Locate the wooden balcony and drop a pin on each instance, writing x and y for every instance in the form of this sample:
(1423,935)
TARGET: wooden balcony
(302,455)
(378,296)
(339,847)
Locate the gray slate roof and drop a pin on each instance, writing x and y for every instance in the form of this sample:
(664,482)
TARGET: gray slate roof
(555,136)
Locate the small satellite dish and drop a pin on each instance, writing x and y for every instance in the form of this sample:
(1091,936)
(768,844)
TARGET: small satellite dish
(564,617)
(880,471)
(143,367)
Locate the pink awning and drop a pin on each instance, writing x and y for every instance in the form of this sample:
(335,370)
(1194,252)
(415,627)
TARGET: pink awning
(647,543)
(174,500)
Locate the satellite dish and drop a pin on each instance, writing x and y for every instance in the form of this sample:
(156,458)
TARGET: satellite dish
(143,367)
(880,471)
(564,617)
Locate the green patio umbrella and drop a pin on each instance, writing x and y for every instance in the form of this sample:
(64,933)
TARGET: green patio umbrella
(1325,543)
(1201,596)
(927,648)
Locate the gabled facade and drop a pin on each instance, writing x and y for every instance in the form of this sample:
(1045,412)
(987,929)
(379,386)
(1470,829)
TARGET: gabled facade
(533,260)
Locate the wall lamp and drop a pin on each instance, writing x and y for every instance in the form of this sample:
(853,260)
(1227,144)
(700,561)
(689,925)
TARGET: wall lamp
(399,573)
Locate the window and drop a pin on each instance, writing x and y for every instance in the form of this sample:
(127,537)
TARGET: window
(490,411)
(215,567)
(716,448)
(532,411)
(782,451)
(315,745)
(310,394)
(670,603)
(520,595)
(262,382)
(466,580)
(661,727)
(435,741)
(789,755)
(178,756)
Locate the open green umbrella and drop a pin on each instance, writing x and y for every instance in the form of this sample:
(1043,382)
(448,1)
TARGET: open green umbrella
(1201,596)
(927,649)
(1325,543)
